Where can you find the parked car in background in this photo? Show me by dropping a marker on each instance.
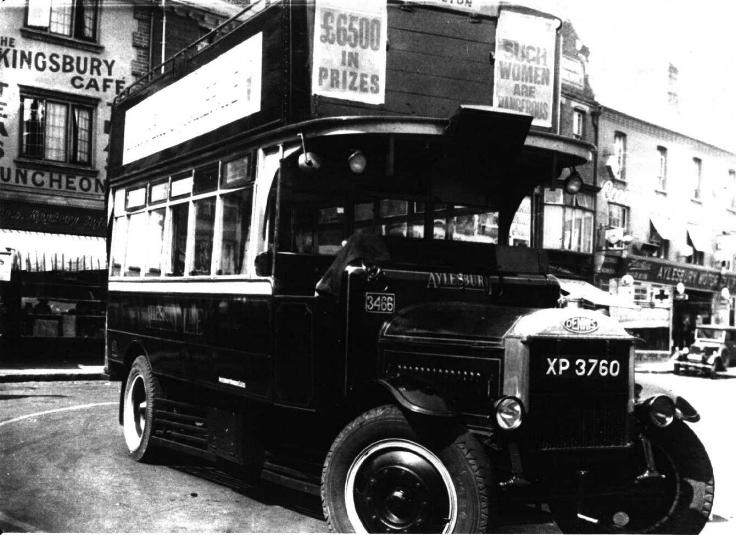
(713, 351)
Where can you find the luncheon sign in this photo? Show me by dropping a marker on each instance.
(350, 50)
(524, 70)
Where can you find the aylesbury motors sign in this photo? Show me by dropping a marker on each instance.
(524, 67)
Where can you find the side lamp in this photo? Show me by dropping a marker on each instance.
(308, 161)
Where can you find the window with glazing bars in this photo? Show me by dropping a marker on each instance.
(56, 131)
(71, 18)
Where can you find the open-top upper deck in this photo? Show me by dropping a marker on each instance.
(287, 67)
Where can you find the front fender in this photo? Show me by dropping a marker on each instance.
(683, 409)
(417, 397)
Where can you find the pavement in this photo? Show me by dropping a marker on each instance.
(48, 369)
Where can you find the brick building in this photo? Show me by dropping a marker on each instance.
(666, 216)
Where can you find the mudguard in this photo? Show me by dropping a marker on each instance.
(417, 398)
(683, 409)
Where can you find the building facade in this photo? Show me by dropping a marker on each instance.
(566, 229)
(666, 228)
(62, 63)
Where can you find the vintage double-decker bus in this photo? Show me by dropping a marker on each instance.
(311, 278)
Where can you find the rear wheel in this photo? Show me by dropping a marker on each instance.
(676, 369)
(382, 475)
(679, 502)
(142, 391)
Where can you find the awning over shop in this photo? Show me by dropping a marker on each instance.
(42, 251)
(644, 324)
(663, 226)
(700, 239)
(581, 290)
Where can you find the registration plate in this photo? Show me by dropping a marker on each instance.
(380, 302)
(582, 367)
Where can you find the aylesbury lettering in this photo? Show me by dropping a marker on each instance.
(469, 281)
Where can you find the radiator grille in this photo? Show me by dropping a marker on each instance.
(570, 411)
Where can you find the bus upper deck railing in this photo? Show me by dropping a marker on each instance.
(169, 66)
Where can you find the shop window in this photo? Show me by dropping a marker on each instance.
(56, 131)
(662, 169)
(697, 178)
(619, 151)
(76, 19)
(618, 216)
(568, 221)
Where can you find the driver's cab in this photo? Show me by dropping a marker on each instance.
(414, 186)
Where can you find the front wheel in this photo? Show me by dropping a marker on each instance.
(383, 475)
(142, 391)
(678, 502)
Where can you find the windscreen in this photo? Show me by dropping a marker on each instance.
(406, 188)
(711, 334)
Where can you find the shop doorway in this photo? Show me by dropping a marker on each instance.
(687, 313)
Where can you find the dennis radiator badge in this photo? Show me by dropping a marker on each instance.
(580, 325)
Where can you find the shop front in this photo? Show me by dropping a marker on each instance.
(52, 282)
(672, 298)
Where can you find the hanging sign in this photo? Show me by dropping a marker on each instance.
(349, 52)
(524, 68)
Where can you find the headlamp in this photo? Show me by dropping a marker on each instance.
(509, 413)
(661, 411)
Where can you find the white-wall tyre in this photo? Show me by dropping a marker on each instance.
(142, 390)
(382, 475)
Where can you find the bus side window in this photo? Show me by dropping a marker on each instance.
(236, 212)
(179, 223)
(134, 253)
(117, 248)
(204, 227)
(155, 241)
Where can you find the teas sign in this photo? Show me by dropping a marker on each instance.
(349, 58)
(524, 69)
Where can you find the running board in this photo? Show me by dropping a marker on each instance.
(280, 475)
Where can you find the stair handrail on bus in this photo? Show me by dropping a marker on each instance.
(159, 71)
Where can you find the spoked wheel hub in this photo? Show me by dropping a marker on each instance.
(398, 486)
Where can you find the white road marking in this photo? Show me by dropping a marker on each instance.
(52, 411)
(18, 525)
